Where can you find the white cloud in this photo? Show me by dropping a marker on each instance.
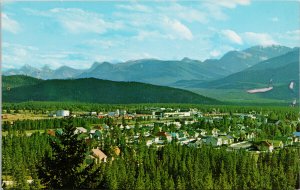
(294, 33)
(16, 55)
(34, 12)
(289, 38)
(216, 12)
(103, 44)
(231, 3)
(136, 56)
(184, 13)
(136, 20)
(9, 24)
(274, 19)
(143, 34)
(193, 15)
(232, 36)
(216, 8)
(161, 23)
(215, 53)
(263, 39)
(135, 7)
(219, 50)
(76, 20)
(175, 29)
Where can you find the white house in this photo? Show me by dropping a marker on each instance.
(80, 130)
(129, 127)
(98, 155)
(184, 114)
(203, 132)
(215, 132)
(111, 114)
(93, 113)
(214, 141)
(296, 136)
(62, 113)
(189, 122)
(149, 142)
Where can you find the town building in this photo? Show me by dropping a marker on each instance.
(62, 113)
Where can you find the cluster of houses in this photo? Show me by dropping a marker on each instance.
(241, 138)
(197, 138)
(96, 154)
(153, 114)
(216, 138)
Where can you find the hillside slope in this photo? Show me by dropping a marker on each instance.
(236, 61)
(101, 91)
(281, 70)
(9, 82)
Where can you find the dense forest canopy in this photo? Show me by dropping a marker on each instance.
(172, 166)
(95, 91)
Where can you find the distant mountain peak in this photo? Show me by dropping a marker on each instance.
(95, 64)
(186, 59)
(141, 60)
(46, 66)
(106, 63)
(267, 47)
(64, 67)
(27, 66)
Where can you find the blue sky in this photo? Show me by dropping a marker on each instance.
(77, 34)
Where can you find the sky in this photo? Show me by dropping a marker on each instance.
(77, 34)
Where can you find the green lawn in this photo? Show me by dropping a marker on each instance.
(28, 132)
(237, 96)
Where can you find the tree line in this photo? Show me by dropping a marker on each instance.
(59, 162)
(43, 124)
(77, 106)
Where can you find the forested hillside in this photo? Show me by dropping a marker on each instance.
(9, 82)
(101, 91)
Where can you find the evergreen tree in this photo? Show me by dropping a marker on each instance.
(65, 169)
(20, 178)
(180, 185)
(139, 184)
(36, 183)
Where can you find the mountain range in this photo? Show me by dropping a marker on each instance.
(161, 72)
(226, 79)
(91, 90)
(278, 72)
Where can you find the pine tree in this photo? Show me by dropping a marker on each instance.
(36, 183)
(139, 184)
(66, 167)
(180, 185)
(20, 178)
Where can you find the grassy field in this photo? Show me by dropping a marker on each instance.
(22, 115)
(28, 132)
(235, 96)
